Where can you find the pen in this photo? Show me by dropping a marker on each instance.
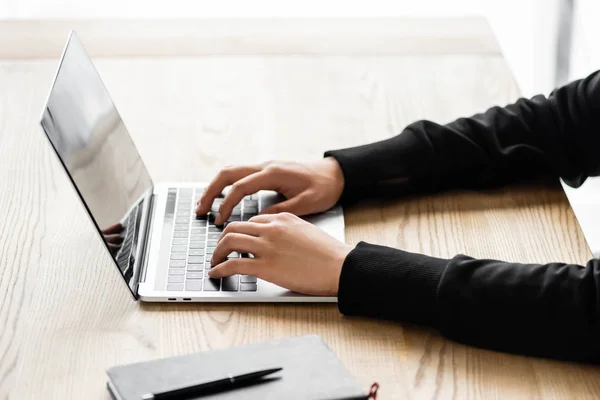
(200, 389)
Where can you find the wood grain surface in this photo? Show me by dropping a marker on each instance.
(66, 316)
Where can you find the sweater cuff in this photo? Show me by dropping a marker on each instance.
(370, 170)
(388, 283)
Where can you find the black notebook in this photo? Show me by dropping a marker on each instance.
(310, 371)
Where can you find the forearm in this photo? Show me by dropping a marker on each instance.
(554, 136)
(550, 310)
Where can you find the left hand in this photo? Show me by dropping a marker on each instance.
(288, 252)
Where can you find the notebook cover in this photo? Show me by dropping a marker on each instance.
(310, 371)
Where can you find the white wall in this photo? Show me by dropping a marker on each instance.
(586, 51)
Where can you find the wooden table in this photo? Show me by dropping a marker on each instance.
(199, 95)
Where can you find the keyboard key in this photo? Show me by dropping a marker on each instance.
(248, 287)
(201, 217)
(234, 218)
(246, 217)
(214, 236)
(214, 229)
(250, 203)
(177, 264)
(182, 220)
(178, 249)
(233, 254)
(180, 234)
(180, 241)
(198, 224)
(196, 245)
(178, 257)
(198, 231)
(186, 191)
(247, 279)
(196, 252)
(197, 238)
(194, 275)
(254, 196)
(175, 287)
(182, 227)
(195, 260)
(195, 267)
(193, 285)
(212, 285)
(250, 210)
(176, 271)
(212, 243)
(231, 283)
(176, 279)
(210, 250)
(236, 211)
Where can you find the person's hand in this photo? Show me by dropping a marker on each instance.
(287, 250)
(309, 188)
(113, 238)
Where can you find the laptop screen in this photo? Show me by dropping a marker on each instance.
(98, 154)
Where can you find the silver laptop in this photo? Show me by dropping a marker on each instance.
(160, 247)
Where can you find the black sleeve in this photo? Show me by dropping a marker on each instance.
(550, 310)
(554, 136)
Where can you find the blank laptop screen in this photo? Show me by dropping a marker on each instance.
(98, 154)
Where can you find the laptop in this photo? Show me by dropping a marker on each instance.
(584, 202)
(159, 246)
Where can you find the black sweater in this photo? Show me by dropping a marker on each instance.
(550, 310)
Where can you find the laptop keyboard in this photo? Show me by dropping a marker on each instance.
(193, 242)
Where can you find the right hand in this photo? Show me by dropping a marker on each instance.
(308, 188)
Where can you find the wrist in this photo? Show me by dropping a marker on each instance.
(336, 175)
(338, 263)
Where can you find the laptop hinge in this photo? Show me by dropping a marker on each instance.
(145, 243)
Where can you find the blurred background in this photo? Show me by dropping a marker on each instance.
(546, 42)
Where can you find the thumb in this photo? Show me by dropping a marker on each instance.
(298, 205)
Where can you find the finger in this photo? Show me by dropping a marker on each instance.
(223, 179)
(116, 228)
(115, 238)
(113, 247)
(247, 228)
(262, 219)
(242, 188)
(244, 266)
(235, 242)
(297, 205)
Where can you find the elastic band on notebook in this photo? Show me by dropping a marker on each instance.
(373, 391)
